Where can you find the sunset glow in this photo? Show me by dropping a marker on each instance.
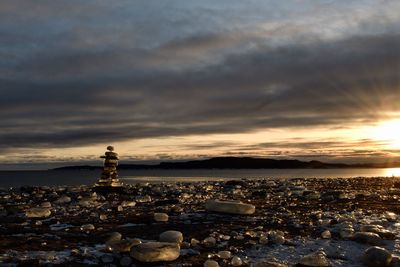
(388, 131)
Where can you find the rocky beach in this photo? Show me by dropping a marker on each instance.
(265, 222)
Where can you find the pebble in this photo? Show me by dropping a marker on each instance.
(230, 207)
(210, 263)
(326, 234)
(87, 227)
(224, 254)
(155, 251)
(317, 259)
(161, 217)
(377, 257)
(209, 242)
(236, 261)
(171, 236)
(63, 200)
(38, 213)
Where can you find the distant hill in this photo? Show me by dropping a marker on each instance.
(239, 163)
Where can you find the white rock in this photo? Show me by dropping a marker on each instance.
(230, 207)
(171, 236)
(317, 259)
(225, 254)
(210, 263)
(161, 217)
(236, 261)
(155, 251)
(38, 213)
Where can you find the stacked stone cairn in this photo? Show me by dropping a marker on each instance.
(109, 177)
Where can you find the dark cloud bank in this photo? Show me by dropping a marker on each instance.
(58, 89)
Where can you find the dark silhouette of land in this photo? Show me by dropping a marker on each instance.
(239, 163)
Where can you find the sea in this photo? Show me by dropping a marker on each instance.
(88, 177)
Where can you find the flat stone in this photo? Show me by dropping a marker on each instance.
(317, 259)
(368, 238)
(121, 246)
(171, 236)
(155, 251)
(38, 212)
(230, 207)
(377, 257)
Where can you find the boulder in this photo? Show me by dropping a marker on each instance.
(230, 207)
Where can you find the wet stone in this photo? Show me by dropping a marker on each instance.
(211, 263)
(161, 217)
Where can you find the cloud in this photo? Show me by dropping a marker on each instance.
(67, 82)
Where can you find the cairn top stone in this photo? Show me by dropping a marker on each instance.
(110, 148)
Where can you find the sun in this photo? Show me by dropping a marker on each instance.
(388, 131)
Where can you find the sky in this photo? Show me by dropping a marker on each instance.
(175, 80)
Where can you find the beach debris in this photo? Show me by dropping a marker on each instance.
(231, 207)
(377, 257)
(155, 251)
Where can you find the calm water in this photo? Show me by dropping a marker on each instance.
(20, 178)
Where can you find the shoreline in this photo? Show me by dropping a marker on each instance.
(290, 216)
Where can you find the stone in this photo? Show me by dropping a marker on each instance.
(125, 261)
(38, 212)
(224, 254)
(210, 263)
(326, 234)
(377, 257)
(236, 261)
(317, 259)
(346, 232)
(209, 242)
(230, 207)
(45, 205)
(277, 237)
(268, 263)
(155, 252)
(121, 246)
(63, 200)
(368, 238)
(113, 236)
(87, 227)
(171, 236)
(161, 217)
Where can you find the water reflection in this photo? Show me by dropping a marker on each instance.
(392, 172)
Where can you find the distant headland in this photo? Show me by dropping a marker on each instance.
(239, 163)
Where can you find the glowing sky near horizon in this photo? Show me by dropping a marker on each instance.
(186, 79)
